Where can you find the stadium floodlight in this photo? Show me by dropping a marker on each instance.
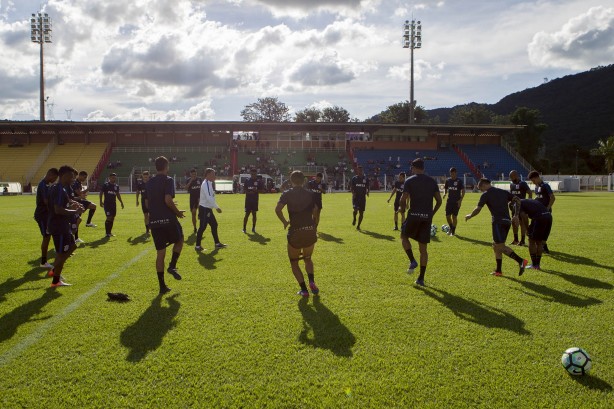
(40, 33)
(412, 39)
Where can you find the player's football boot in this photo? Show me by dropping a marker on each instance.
(420, 283)
(60, 284)
(220, 245)
(514, 243)
(47, 265)
(304, 294)
(314, 288)
(91, 225)
(412, 267)
(497, 273)
(164, 290)
(173, 271)
(522, 266)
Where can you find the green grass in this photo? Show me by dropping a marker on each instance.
(233, 333)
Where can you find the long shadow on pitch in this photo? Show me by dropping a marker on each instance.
(191, 240)
(11, 284)
(99, 242)
(258, 238)
(576, 260)
(328, 237)
(208, 260)
(24, 313)
(142, 239)
(146, 334)
(476, 312)
(581, 281)
(552, 295)
(323, 329)
(474, 241)
(378, 236)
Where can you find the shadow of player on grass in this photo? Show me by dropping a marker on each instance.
(580, 281)
(578, 260)
(476, 312)
(138, 239)
(258, 238)
(378, 236)
(25, 313)
(323, 329)
(146, 334)
(11, 284)
(208, 260)
(328, 237)
(474, 241)
(550, 294)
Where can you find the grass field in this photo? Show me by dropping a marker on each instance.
(233, 333)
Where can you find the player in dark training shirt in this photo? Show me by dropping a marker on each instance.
(317, 187)
(110, 191)
(455, 189)
(302, 235)
(193, 188)
(251, 188)
(539, 230)
(543, 193)
(359, 186)
(497, 201)
(141, 190)
(79, 194)
(163, 214)
(397, 191)
(420, 189)
(519, 189)
(61, 211)
(41, 214)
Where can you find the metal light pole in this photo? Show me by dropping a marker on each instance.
(40, 33)
(412, 39)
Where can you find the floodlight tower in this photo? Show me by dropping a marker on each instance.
(40, 33)
(412, 39)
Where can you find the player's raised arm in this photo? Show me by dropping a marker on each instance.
(474, 213)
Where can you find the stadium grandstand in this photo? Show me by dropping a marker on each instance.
(27, 149)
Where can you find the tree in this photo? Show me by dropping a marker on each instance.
(399, 114)
(528, 139)
(267, 109)
(308, 115)
(605, 148)
(471, 114)
(335, 114)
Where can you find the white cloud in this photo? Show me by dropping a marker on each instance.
(583, 42)
(199, 112)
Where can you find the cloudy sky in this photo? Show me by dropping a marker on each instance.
(207, 59)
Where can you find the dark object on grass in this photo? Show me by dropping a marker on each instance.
(118, 297)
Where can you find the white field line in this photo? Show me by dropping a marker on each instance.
(40, 332)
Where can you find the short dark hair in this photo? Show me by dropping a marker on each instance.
(192, 170)
(483, 181)
(319, 175)
(161, 163)
(83, 173)
(417, 163)
(402, 174)
(253, 171)
(209, 170)
(65, 169)
(113, 174)
(533, 174)
(452, 169)
(53, 171)
(297, 177)
(145, 173)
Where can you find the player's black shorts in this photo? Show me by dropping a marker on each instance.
(84, 203)
(417, 228)
(500, 229)
(359, 202)
(194, 202)
(110, 210)
(452, 208)
(163, 236)
(251, 205)
(42, 225)
(303, 237)
(63, 242)
(539, 229)
(397, 203)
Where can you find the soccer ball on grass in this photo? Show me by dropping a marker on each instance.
(576, 361)
(433, 230)
(445, 228)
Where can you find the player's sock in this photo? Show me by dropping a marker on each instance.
(56, 279)
(303, 286)
(422, 272)
(174, 258)
(44, 260)
(499, 262)
(523, 238)
(533, 259)
(111, 225)
(161, 279)
(107, 226)
(76, 234)
(90, 215)
(453, 228)
(396, 226)
(538, 260)
(146, 228)
(516, 257)
(515, 236)
(311, 277)
(410, 255)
